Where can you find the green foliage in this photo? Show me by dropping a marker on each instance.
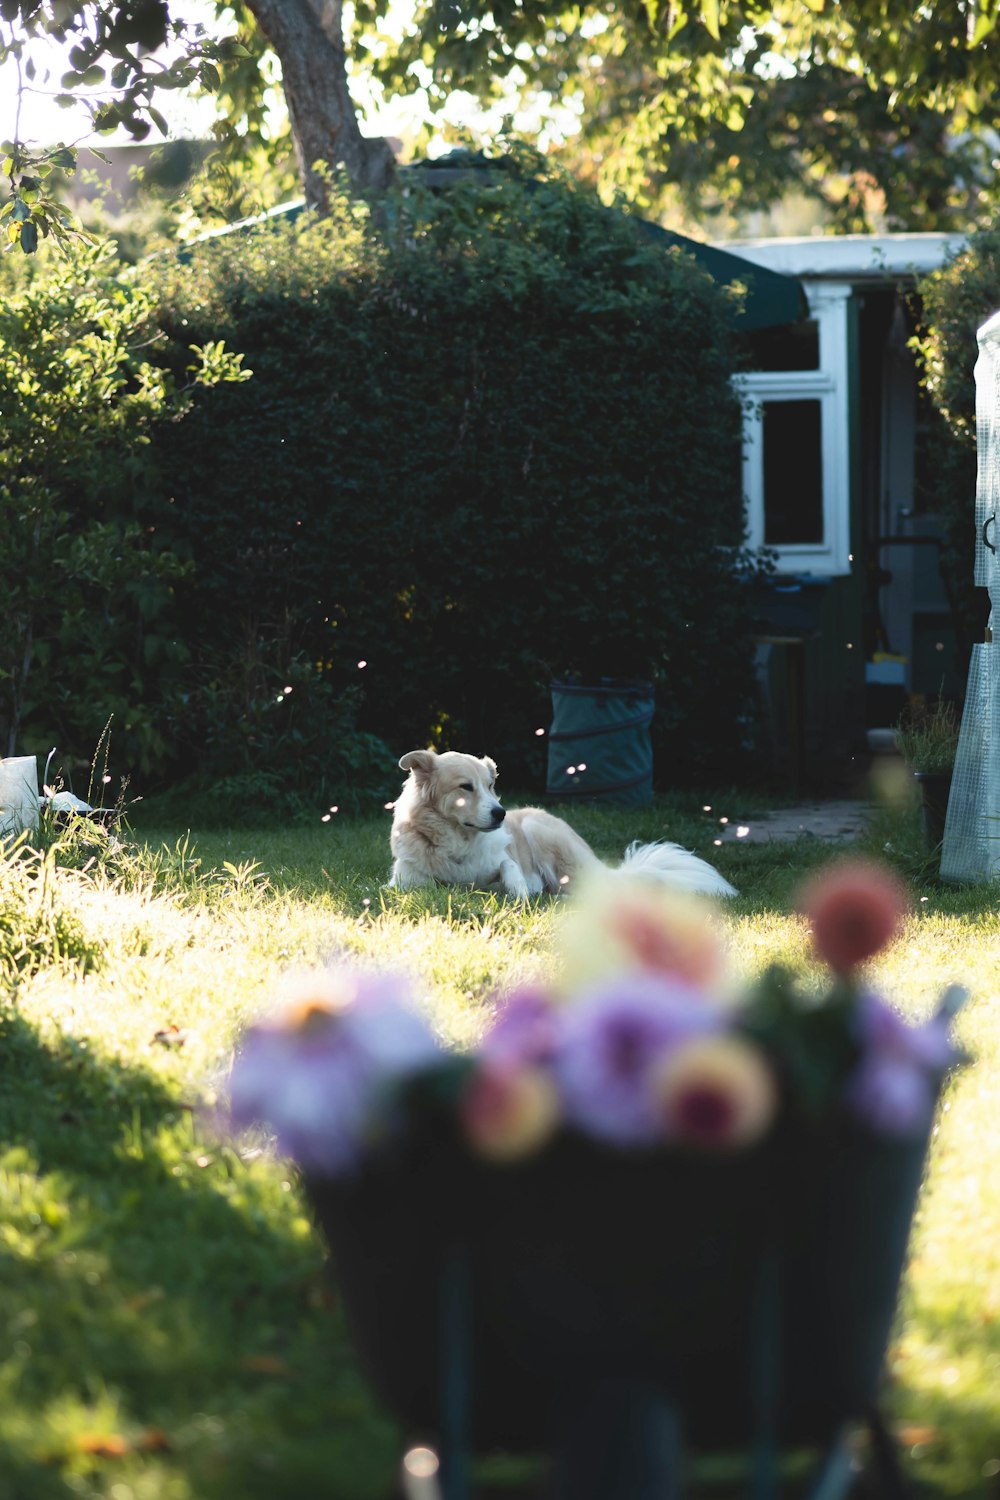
(275, 741)
(38, 926)
(491, 442)
(955, 301)
(927, 736)
(880, 111)
(87, 629)
(113, 68)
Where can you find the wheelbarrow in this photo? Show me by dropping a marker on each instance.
(619, 1311)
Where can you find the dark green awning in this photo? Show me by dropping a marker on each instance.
(771, 299)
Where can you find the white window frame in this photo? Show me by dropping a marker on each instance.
(828, 385)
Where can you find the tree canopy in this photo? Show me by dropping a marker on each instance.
(117, 57)
(885, 113)
(878, 108)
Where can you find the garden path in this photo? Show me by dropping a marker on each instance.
(840, 821)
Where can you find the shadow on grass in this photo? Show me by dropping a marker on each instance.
(167, 1309)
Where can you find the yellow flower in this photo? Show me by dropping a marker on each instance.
(715, 1091)
(622, 926)
(509, 1111)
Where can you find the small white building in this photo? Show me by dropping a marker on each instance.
(830, 474)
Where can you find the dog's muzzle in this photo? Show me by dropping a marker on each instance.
(497, 816)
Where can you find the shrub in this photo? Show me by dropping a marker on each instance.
(86, 629)
(956, 301)
(489, 441)
(277, 742)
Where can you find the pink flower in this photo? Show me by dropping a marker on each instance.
(855, 908)
(667, 938)
(715, 1091)
(508, 1111)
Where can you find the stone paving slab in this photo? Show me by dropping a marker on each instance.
(839, 821)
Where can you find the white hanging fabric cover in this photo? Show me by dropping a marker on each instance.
(18, 794)
(971, 848)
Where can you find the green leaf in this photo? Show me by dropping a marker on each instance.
(985, 25)
(149, 23)
(21, 212)
(29, 238)
(710, 15)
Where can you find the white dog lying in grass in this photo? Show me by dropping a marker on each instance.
(448, 825)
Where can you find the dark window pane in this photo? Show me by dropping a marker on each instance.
(793, 347)
(793, 473)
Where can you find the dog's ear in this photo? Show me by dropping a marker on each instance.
(420, 762)
(490, 765)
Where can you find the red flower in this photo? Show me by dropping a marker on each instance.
(855, 908)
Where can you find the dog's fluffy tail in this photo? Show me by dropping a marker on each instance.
(675, 867)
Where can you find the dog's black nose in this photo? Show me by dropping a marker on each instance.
(498, 815)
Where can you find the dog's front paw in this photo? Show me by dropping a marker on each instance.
(517, 886)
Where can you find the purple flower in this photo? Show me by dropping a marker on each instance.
(891, 1095)
(525, 1030)
(316, 1072)
(894, 1087)
(613, 1039)
(885, 1031)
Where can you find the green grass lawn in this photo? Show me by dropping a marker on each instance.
(171, 1333)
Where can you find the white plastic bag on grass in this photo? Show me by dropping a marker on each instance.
(18, 794)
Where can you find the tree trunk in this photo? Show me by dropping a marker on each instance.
(307, 36)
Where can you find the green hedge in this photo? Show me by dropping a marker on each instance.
(955, 302)
(489, 441)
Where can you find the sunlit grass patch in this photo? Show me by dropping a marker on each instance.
(173, 1332)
